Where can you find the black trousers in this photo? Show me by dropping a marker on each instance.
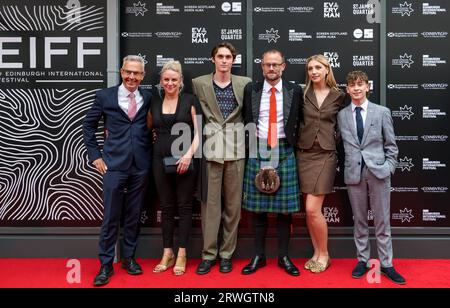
(260, 224)
(175, 192)
(123, 193)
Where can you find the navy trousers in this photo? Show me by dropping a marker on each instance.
(123, 193)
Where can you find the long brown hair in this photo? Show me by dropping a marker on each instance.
(329, 79)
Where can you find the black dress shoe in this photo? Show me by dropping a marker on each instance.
(359, 270)
(225, 266)
(205, 266)
(255, 263)
(289, 267)
(102, 277)
(132, 267)
(392, 274)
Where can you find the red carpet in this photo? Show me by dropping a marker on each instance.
(51, 273)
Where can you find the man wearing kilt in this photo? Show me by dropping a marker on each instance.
(275, 108)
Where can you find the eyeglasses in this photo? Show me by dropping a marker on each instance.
(274, 65)
(129, 73)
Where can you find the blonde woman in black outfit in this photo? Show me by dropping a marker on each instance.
(175, 188)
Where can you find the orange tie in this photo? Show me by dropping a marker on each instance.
(272, 135)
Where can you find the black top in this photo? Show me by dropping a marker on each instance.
(163, 123)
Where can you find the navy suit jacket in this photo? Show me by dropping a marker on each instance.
(125, 140)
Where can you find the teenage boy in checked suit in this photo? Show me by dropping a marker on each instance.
(371, 153)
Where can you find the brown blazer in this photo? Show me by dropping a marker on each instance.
(218, 129)
(320, 122)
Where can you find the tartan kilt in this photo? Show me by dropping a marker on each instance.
(286, 198)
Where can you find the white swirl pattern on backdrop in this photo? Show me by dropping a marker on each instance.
(71, 17)
(45, 172)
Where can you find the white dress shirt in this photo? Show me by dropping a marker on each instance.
(363, 111)
(124, 100)
(263, 120)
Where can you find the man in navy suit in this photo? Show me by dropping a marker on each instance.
(124, 163)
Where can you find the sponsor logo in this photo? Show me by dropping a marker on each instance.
(331, 10)
(333, 58)
(403, 34)
(232, 8)
(404, 60)
(197, 60)
(404, 215)
(367, 60)
(162, 9)
(405, 112)
(161, 60)
(405, 163)
(137, 34)
(330, 35)
(428, 9)
(370, 215)
(297, 61)
(435, 34)
(403, 86)
(363, 8)
(144, 217)
(404, 9)
(428, 61)
(434, 86)
(260, 9)
(404, 189)
(406, 138)
(143, 57)
(168, 35)
(428, 164)
(231, 34)
(238, 61)
(363, 35)
(300, 9)
(138, 9)
(331, 214)
(434, 138)
(198, 8)
(270, 35)
(435, 189)
(432, 216)
(199, 35)
(298, 36)
(428, 113)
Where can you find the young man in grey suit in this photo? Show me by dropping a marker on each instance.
(371, 153)
(220, 95)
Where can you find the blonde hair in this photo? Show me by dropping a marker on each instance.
(175, 66)
(329, 78)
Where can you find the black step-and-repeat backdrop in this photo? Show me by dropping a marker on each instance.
(50, 67)
(418, 75)
(52, 60)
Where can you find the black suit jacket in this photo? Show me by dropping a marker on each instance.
(126, 140)
(292, 107)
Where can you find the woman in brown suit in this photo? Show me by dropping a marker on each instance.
(316, 153)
